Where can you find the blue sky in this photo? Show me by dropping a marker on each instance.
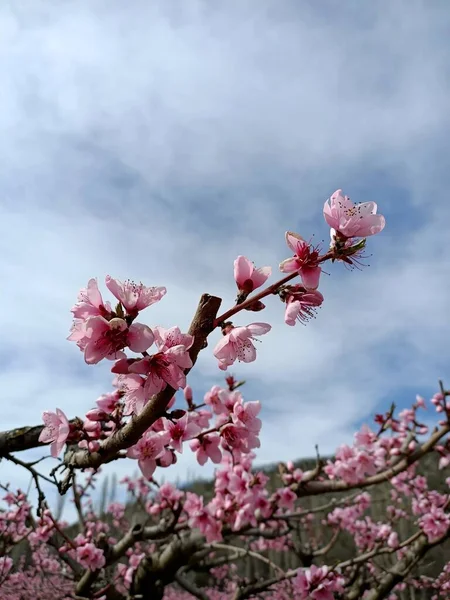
(159, 140)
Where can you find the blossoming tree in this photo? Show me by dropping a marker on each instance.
(179, 544)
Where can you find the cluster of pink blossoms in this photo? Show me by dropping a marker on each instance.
(318, 583)
(243, 505)
(349, 223)
(236, 425)
(236, 429)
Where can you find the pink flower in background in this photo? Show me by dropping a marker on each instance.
(246, 414)
(56, 430)
(134, 297)
(90, 557)
(201, 518)
(285, 498)
(212, 399)
(147, 450)
(90, 302)
(247, 276)
(444, 462)
(6, 564)
(317, 583)
(237, 344)
(207, 446)
(434, 523)
(201, 417)
(239, 438)
(301, 305)
(304, 261)
(180, 431)
(352, 220)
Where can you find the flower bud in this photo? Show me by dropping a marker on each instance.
(96, 414)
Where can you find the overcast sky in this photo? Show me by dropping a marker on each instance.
(157, 140)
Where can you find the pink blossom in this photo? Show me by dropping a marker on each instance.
(207, 446)
(352, 220)
(96, 414)
(301, 304)
(163, 368)
(90, 445)
(140, 337)
(78, 333)
(133, 564)
(170, 338)
(365, 436)
(420, 401)
(168, 365)
(201, 518)
(180, 431)
(6, 564)
(188, 396)
(167, 458)
(229, 399)
(238, 438)
(108, 402)
(90, 557)
(147, 450)
(444, 461)
(133, 388)
(90, 303)
(434, 523)
(134, 297)
(56, 430)
(93, 427)
(201, 417)
(392, 540)
(317, 583)
(304, 261)
(246, 414)
(247, 276)
(212, 399)
(105, 339)
(285, 498)
(237, 344)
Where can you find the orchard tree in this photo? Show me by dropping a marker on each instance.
(172, 543)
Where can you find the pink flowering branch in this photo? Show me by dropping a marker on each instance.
(201, 326)
(314, 488)
(271, 289)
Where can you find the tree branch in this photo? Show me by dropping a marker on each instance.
(314, 488)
